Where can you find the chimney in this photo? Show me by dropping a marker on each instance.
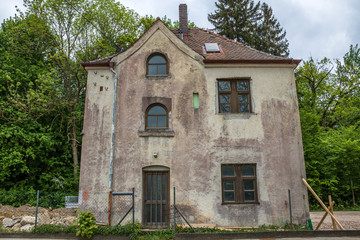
(183, 19)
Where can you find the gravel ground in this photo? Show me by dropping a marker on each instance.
(350, 220)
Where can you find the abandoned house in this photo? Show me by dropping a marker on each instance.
(190, 109)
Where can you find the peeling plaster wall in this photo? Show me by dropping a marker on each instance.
(95, 153)
(203, 140)
(270, 137)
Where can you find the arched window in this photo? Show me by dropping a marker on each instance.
(157, 65)
(156, 116)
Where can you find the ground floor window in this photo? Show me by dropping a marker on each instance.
(239, 183)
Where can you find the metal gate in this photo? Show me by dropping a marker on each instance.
(156, 210)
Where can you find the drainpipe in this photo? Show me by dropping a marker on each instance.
(112, 131)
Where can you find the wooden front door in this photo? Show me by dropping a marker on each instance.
(156, 210)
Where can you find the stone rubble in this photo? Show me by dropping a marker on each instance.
(23, 218)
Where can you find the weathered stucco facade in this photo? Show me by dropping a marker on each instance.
(197, 141)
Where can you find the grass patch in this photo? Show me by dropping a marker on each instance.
(118, 230)
(163, 234)
(50, 228)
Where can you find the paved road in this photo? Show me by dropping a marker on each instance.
(315, 238)
(303, 238)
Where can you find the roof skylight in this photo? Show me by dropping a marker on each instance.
(212, 47)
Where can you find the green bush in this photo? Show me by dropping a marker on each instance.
(17, 198)
(86, 224)
(46, 199)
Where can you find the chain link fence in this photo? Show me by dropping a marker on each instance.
(123, 207)
(24, 210)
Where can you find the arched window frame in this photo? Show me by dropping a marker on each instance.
(166, 64)
(147, 115)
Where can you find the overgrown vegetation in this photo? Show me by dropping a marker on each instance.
(51, 228)
(85, 224)
(168, 233)
(46, 199)
(329, 101)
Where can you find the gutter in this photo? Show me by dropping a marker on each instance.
(268, 61)
(112, 128)
(97, 64)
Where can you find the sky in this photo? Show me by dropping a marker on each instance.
(314, 28)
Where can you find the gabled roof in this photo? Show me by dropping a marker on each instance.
(230, 50)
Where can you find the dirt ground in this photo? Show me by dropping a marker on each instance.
(350, 220)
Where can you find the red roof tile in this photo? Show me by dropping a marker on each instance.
(230, 50)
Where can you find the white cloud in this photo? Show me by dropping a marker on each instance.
(7, 8)
(322, 28)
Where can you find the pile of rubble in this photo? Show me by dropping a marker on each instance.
(23, 218)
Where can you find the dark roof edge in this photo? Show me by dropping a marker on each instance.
(98, 64)
(264, 61)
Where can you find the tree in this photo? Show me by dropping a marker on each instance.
(32, 153)
(271, 36)
(42, 85)
(328, 95)
(251, 24)
(148, 20)
(83, 30)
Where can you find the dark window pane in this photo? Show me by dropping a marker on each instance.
(224, 86)
(161, 121)
(153, 184)
(229, 197)
(151, 121)
(158, 110)
(152, 69)
(228, 171)
(163, 184)
(228, 185)
(157, 59)
(248, 170)
(163, 213)
(158, 215)
(161, 69)
(242, 85)
(148, 187)
(249, 196)
(148, 213)
(225, 107)
(158, 187)
(249, 185)
(244, 108)
(153, 211)
(224, 98)
(243, 98)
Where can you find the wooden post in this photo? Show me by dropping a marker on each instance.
(322, 220)
(322, 204)
(332, 211)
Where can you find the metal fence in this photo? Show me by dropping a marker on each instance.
(123, 207)
(24, 210)
(27, 210)
(178, 217)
